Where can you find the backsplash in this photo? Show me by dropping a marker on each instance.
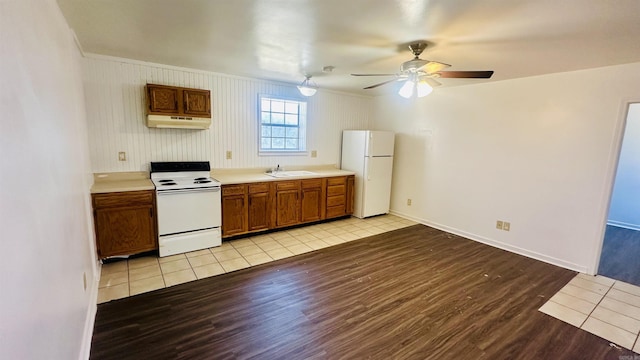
(114, 90)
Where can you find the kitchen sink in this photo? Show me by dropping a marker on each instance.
(288, 174)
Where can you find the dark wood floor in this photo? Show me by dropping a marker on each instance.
(620, 254)
(414, 293)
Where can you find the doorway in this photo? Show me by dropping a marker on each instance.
(621, 244)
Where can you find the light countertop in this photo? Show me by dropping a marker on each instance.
(121, 181)
(140, 180)
(241, 176)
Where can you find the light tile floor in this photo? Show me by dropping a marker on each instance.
(125, 278)
(602, 306)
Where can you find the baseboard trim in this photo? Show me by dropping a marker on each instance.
(514, 249)
(623, 225)
(90, 320)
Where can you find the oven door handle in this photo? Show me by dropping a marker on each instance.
(183, 191)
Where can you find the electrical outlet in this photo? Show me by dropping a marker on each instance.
(314, 153)
(408, 202)
(506, 226)
(229, 155)
(122, 156)
(499, 225)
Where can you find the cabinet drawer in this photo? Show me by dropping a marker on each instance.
(311, 183)
(258, 188)
(334, 211)
(336, 181)
(335, 200)
(233, 190)
(286, 185)
(128, 198)
(335, 190)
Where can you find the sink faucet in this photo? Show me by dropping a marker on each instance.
(278, 168)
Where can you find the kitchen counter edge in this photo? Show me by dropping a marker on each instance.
(231, 178)
(139, 181)
(121, 182)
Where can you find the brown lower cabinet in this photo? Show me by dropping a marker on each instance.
(234, 204)
(312, 204)
(124, 223)
(259, 216)
(255, 207)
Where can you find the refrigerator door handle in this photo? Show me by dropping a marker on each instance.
(367, 168)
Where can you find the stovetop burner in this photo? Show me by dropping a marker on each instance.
(170, 176)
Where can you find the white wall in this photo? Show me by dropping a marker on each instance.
(116, 113)
(45, 224)
(625, 200)
(538, 152)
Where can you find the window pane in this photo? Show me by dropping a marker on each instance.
(277, 118)
(277, 143)
(292, 143)
(291, 108)
(282, 124)
(277, 106)
(265, 105)
(277, 131)
(292, 132)
(291, 119)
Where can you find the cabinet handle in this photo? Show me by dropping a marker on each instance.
(150, 212)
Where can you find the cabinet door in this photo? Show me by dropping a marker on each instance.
(312, 202)
(163, 99)
(125, 230)
(350, 194)
(234, 218)
(287, 207)
(259, 211)
(197, 102)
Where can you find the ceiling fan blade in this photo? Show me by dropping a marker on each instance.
(432, 82)
(380, 84)
(373, 74)
(434, 66)
(466, 74)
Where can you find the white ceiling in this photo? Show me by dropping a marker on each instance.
(283, 39)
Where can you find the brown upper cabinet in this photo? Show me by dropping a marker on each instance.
(178, 101)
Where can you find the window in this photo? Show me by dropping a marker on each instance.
(282, 125)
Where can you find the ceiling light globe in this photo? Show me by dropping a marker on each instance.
(307, 91)
(423, 89)
(406, 91)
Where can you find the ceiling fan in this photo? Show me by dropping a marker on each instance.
(421, 73)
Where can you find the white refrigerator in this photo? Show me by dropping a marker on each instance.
(369, 154)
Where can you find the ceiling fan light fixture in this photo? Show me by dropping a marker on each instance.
(423, 88)
(406, 91)
(307, 88)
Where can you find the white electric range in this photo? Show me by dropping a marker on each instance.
(188, 204)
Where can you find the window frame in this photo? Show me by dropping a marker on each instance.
(303, 120)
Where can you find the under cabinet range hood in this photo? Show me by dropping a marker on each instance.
(177, 107)
(177, 122)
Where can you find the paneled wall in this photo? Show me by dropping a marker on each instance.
(116, 118)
